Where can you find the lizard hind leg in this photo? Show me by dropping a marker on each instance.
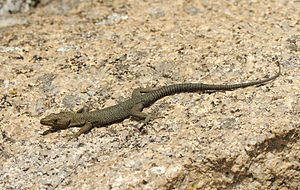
(139, 91)
(137, 113)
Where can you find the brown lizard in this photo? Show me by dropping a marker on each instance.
(140, 99)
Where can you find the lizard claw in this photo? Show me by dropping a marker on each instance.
(148, 118)
(71, 137)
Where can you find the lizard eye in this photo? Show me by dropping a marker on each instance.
(55, 120)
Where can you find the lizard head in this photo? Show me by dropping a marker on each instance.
(57, 120)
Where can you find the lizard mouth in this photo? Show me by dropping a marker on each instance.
(45, 122)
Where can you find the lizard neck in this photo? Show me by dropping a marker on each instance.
(78, 119)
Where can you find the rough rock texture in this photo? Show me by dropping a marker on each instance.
(17, 6)
(67, 54)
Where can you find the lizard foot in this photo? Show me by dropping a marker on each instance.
(149, 118)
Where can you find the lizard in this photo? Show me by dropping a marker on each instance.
(141, 98)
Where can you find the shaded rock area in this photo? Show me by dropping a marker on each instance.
(63, 55)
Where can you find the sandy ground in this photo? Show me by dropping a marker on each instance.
(62, 56)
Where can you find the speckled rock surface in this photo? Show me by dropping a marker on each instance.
(66, 55)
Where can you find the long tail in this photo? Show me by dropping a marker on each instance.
(195, 87)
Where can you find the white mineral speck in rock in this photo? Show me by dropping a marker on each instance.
(158, 170)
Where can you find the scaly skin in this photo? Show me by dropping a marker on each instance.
(132, 107)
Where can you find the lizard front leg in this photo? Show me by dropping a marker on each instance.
(84, 129)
